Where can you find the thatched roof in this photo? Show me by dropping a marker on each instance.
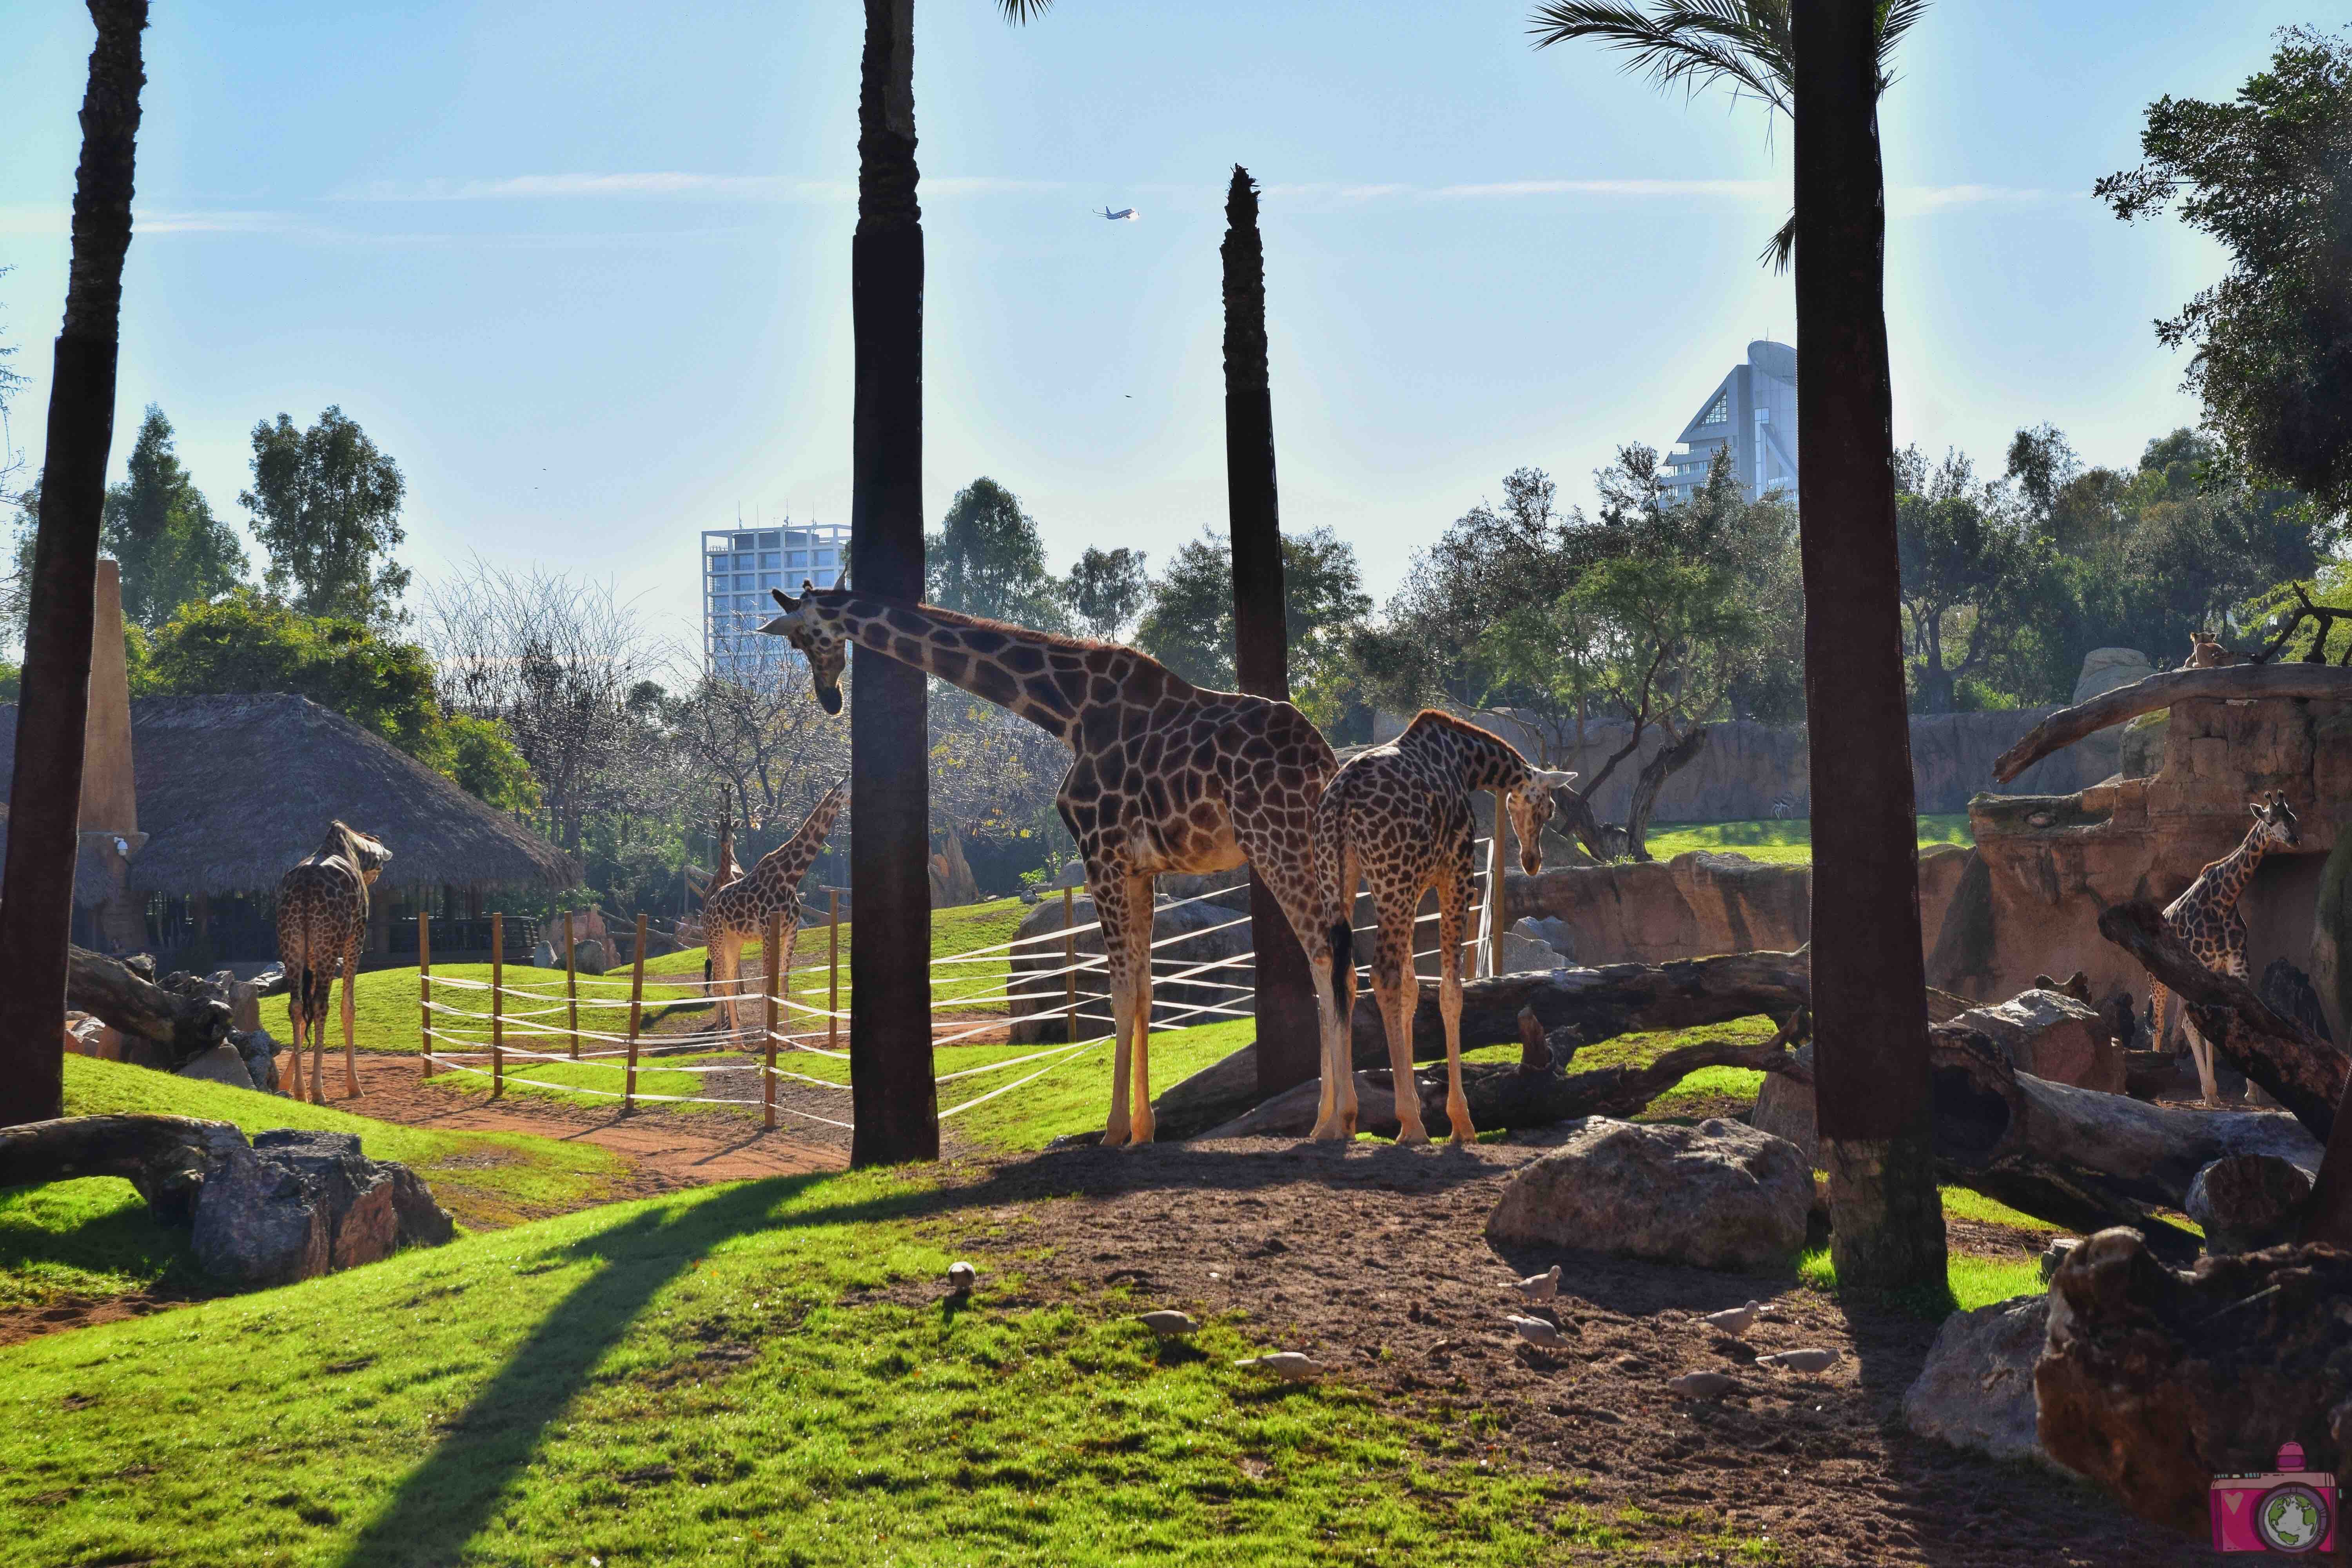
(233, 790)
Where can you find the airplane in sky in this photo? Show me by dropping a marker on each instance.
(1124, 214)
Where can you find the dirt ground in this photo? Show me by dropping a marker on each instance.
(1373, 1260)
(19, 1324)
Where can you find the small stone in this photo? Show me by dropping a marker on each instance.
(1702, 1384)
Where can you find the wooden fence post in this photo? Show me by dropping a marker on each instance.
(636, 1017)
(425, 991)
(497, 1004)
(1070, 963)
(774, 955)
(833, 963)
(572, 985)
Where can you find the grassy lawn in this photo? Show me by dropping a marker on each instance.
(685, 1380)
(954, 932)
(1789, 842)
(93, 1236)
(384, 1012)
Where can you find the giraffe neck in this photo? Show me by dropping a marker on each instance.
(788, 862)
(1052, 681)
(2235, 870)
(1482, 760)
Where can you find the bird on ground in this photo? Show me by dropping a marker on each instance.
(1169, 1325)
(1800, 1361)
(1536, 1331)
(1734, 1319)
(1288, 1365)
(1702, 1384)
(1540, 1286)
(962, 1276)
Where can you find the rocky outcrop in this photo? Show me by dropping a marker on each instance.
(298, 1204)
(2055, 1036)
(221, 1064)
(2245, 1202)
(1717, 1195)
(1976, 1390)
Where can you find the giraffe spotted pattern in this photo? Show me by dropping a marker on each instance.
(323, 921)
(2206, 917)
(740, 910)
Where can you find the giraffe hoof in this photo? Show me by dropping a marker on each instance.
(1413, 1136)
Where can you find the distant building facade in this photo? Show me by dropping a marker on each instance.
(740, 565)
(1753, 412)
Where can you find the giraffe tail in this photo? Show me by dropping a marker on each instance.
(1343, 965)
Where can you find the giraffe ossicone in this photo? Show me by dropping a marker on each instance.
(1166, 777)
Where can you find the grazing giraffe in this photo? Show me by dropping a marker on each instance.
(322, 922)
(2206, 917)
(1168, 778)
(1398, 816)
(741, 908)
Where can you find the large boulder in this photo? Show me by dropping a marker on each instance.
(260, 1053)
(2055, 1036)
(2245, 1202)
(1976, 1390)
(1188, 935)
(1717, 1195)
(1516, 953)
(222, 1063)
(590, 956)
(1784, 1108)
(2104, 669)
(298, 1204)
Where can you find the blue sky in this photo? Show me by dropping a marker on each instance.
(583, 269)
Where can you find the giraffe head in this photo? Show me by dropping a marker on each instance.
(1529, 808)
(367, 856)
(819, 640)
(2277, 820)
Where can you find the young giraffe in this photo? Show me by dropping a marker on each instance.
(1398, 816)
(2206, 917)
(323, 921)
(1168, 778)
(740, 909)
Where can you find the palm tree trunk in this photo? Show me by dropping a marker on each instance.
(45, 793)
(895, 1100)
(1887, 1227)
(1288, 1047)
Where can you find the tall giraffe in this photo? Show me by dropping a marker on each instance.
(1168, 778)
(740, 909)
(322, 922)
(2206, 917)
(1398, 816)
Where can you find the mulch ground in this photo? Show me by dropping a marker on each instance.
(1373, 1260)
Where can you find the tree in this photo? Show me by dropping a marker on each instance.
(1967, 563)
(326, 506)
(1188, 625)
(1886, 1224)
(1106, 589)
(44, 790)
(2041, 464)
(2269, 176)
(987, 560)
(160, 528)
(1693, 44)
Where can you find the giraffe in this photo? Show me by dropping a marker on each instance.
(2206, 917)
(323, 921)
(1398, 816)
(740, 909)
(1167, 777)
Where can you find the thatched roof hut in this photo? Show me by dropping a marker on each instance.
(233, 790)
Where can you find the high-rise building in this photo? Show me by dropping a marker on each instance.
(740, 565)
(1752, 411)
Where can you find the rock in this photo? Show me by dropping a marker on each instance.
(219, 1064)
(2291, 994)
(243, 997)
(2054, 1257)
(2245, 1202)
(2055, 1036)
(1976, 1391)
(1191, 885)
(1517, 954)
(591, 956)
(260, 1053)
(1554, 933)
(89, 1036)
(1784, 1108)
(544, 956)
(2104, 669)
(297, 1203)
(1073, 874)
(1717, 1195)
(1208, 931)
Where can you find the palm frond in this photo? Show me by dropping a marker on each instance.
(1693, 43)
(1781, 249)
(1017, 11)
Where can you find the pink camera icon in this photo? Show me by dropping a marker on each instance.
(2290, 1510)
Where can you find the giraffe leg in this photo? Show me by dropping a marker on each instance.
(722, 947)
(326, 1000)
(1396, 991)
(350, 1049)
(1111, 893)
(1331, 961)
(290, 955)
(2200, 1051)
(1139, 936)
(1453, 913)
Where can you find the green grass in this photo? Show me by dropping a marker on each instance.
(1787, 842)
(91, 1237)
(954, 932)
(384, 1005)
(711, 1378)
(1972, 1279)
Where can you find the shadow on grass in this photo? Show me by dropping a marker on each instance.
(128, 1240)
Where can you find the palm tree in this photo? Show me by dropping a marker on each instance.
(1695, 44)
(1886, 1224)
(890, 1072)
(45, 793)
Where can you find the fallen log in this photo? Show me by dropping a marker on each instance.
(2155, 1381)
(2303, 1072)
(2231, 683)
(163, 1156)
(99, 984)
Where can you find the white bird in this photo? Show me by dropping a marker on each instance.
(1702, 1384)
(1800, 1361)
(1288, 1365)
(1540, 1286)
(1734, 1319)
(962, 1276)
(1169, 1325)
(1124, 214)
(1536, 1331)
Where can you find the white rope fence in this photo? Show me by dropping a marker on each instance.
(456, 1038)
